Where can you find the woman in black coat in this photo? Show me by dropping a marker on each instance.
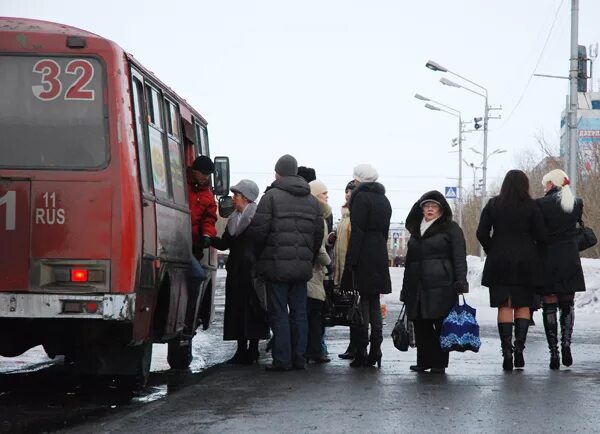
(510, 226)
(367, 263)
(563, 275)
(245, 319)
(435, 273)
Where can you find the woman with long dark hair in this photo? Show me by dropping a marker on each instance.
(509, 229)
(563, 275)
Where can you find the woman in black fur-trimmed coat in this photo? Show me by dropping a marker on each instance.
(435, 273)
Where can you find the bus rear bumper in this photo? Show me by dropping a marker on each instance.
(113, 307)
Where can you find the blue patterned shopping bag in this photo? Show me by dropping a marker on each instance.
(460, 331)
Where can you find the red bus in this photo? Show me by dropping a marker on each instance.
(95, 233)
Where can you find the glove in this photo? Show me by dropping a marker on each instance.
(204, 242)
(331, 238)
(461, 287)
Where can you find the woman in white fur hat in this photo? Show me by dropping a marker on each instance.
(563, 275)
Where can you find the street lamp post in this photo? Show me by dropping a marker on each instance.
(455, 113)
(437, 67)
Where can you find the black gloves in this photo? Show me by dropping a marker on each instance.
(461, 287)
(204, 242)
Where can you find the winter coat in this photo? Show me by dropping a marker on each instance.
(560, 256)
(367, 255)
(315, 286)
(436, 263)
(340, 248)
(245, 317)
(287, 231)
(203, 210)
(512, 252)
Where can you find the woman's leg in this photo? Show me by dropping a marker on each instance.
(376, 322)
(425, 338)
(567, 321)
(522, 322)
(551, 328)
(314, 329)
(360, 357)
(439, 357)
(505, 330)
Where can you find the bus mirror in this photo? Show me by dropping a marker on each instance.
(221, 176)
(225, 206)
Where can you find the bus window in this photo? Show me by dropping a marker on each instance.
(154, 115)
(157, 156)
(202, 139)
(138, 103)
(52, 113)
(172, 116)
(177, 172)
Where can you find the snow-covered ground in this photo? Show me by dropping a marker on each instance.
(587, 302)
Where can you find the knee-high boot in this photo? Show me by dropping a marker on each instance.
(505, 329)
(567, 320)
(551, 328)
(521, 327)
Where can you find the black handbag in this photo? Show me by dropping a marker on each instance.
(403, 334)
(354, 316)
(585, 236)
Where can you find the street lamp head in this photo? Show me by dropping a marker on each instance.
(421, 97)
(432, 107)
(454, 142)
(434, 66)
(450, 83)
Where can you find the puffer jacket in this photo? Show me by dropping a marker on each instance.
(436, 263)
(287, 231)
(203, 210)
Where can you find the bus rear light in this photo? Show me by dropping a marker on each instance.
(91, 307)
(81, 306)
(79, 275)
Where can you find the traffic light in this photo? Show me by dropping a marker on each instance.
(477, 124)
(582, 75)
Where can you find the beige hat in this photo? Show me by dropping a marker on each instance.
(317, 187)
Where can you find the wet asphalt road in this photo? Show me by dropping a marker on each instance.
(475, 395)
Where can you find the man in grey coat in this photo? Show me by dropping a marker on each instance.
(287, 231)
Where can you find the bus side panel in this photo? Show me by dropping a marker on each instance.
(127, 239)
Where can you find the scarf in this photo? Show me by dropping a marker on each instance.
(426, 224)
(239, 221)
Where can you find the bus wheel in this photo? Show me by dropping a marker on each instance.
(179, 355)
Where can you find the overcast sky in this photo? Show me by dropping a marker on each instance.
(332, 82)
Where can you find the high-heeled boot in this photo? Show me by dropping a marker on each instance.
(241, 354)
(505, 329)
(521, 327)
(360, 358)
(551, 329)
(375, 354)
(351, 350)
(567, 320)
(252, 355)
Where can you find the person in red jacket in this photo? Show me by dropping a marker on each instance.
(203, 213)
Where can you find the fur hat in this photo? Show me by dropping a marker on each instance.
(557, 177)
(246, 188)
(308, 173)
(317, 187)
(365, 173)
(203, 164)
(286, 166)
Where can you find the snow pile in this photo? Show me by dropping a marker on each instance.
(478, 296)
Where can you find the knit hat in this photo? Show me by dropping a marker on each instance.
(350, 186)
(286, 166)
(558, 178)
(317, 187)
(365, 173)
(308, 173)
(429, 200)
(203, 164)
(246, 188)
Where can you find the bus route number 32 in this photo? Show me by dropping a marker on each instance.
(51, 84)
